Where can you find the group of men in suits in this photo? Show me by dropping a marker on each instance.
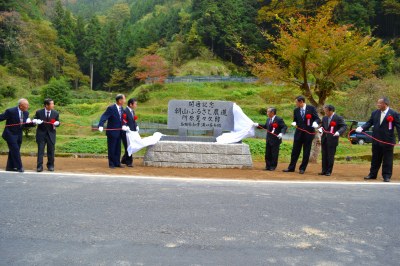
(119, 121)
(305, 118)
(17, 118)
(306, 121)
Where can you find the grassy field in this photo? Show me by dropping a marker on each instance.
(76, 136)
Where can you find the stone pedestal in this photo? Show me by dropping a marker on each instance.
(187, 154)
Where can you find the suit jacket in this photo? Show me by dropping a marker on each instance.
(382, 131)
(302, 123)
(11, 116)
(111, 115)
(280, 129)
(130, 120)
(340, 127)
(44, 128)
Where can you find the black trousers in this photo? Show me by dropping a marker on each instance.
(114, 150)
(271, 155)
(305, 144)
(50, 152)
(328, 157)
(382, 154)
(14, 154)
(126, 159)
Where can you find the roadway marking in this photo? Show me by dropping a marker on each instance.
(204, 180)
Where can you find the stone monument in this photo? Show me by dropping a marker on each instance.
(197, 151)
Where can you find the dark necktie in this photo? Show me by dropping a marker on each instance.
(302, 112)
(47, 116)
(21, 118)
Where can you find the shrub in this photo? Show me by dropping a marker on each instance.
(143, 95)
(59, 90)
(8, 91)
(155, 87)
(262, 111)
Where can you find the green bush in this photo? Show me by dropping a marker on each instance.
(262, 111)
(8, 91)
(155, 87)
(59, 90)
(143, 95)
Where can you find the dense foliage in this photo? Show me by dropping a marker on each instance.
(79, 39)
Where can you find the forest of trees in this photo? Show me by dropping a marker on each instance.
(112, 40)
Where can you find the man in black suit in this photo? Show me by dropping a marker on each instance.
(276, 128)
(332, 127)
(129, 122)
(47, 120)
(384, 120)
(16, 119)
(304, 117)
(113, 116)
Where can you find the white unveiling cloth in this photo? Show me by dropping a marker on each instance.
(136, 143)
(243, 128)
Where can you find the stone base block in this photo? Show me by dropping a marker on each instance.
(185, 154)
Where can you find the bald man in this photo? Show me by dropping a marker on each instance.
(16, 119)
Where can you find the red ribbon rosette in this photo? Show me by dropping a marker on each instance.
(274, 125)
(135, 118)
(52, 121)
(390, 120)
(308, 116)
(124, 118)
(333, 124)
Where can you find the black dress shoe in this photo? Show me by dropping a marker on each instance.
(386, 179)
(301, 172)
(266, 169)
(39, 169)
(328, 174)
(322, 173)
(51, 169)
(288, 170)
(21, 170)
(271, 169)
(129, 165)
(368, 177)
(11, 169)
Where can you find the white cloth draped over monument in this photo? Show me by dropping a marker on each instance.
(136, 143)
(243, 128)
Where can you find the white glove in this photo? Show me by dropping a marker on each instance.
(56, 123)
(34, 121)
(336, 134)
(359, 129)
(125, 128)
(280, 136)
(320, 130)
(137, 128)
(28, 120)
(101, 129)
(38, 121)
(294, 124)
(255, 124)
(314, 125)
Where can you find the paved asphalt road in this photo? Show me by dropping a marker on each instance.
(60, 219)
